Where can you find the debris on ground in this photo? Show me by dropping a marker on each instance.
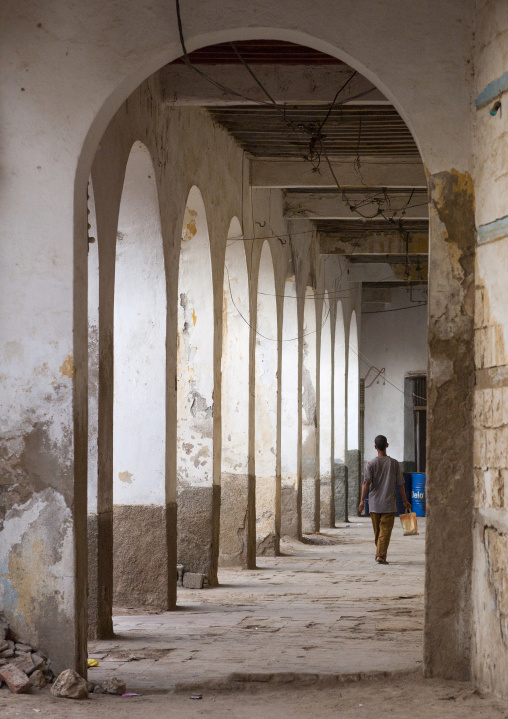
(21, 665)
(70, 685)
(111, 686)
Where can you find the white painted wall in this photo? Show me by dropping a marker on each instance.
(289, 384)
(235, 356)
(93, 354)
(339, 394)
(195, 348)
(396, 341)
(266, 400)
(352, 385)
(266, 368)
(139, 414)
(325, 394)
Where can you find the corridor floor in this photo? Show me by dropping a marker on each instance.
(309, 634)
(322, 610)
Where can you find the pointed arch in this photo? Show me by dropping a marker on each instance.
(267, 529)
(235, 403)
(339, 414)
(139, 411)
(197, 505)
(291, 495)
(326, 499)
(310, 484)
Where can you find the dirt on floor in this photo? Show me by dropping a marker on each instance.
(403, 697)
(321, 631)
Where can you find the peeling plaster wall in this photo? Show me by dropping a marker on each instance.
(490, 640)
(310, 472)
(235, 480)
(93, 410)
(327, 496)
(267, 489)
(340, 413)
(170, 136)
(45, 197)
(291, 500)
(397, 342)
(139, 431)
(353, 416)
(450, 383)
(195, 391)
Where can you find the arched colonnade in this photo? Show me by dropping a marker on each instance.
(207, 361)
(101, 127)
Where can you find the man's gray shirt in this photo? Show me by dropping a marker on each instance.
(382, 474)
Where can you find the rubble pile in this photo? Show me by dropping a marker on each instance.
(21, 665)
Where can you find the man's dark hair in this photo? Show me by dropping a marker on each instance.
(381, 442)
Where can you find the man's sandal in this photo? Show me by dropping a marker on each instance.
(380, 560)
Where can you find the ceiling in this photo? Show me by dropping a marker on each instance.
(349, 130)
(260, 52)
(324, 130)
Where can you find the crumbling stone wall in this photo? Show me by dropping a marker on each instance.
(489, 649)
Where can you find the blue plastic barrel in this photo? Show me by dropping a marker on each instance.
(418, 500)
(398, 497)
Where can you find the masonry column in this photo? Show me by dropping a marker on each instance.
(310, 482)
(326, 477)
(450, 426)
(353, 399)
(266, 386)
(291, 496)
(43, 408)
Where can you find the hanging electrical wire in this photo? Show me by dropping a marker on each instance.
(316, 148)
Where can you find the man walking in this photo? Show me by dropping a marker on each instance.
(381, 476)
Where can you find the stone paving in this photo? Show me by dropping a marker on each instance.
(323, 610)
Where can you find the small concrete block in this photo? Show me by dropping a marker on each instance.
(38, 679)
(23, 662)
(114, 686)
(39, 662)
(16, 680)
(70, 685)
(193, 580)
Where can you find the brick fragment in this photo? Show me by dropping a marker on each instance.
(16, 680)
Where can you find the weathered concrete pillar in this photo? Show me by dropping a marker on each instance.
(326, 475)
(198, 496)
(267, 484)
(291, 495)
(93, 425)
(107, 182)
(353, 398)
(139, 515)
(310, 481)
(43, 408)
(235, 480)
(340, 415)
(449, 543)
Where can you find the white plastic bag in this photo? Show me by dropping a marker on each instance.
(409, 523)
